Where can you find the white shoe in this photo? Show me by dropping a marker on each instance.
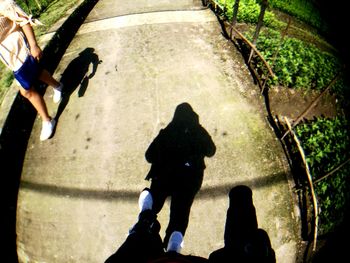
(47, 129)
(145, 200)
(175, 242)
(57, 93)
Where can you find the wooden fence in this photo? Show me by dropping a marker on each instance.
(234, 34)
(262, 78)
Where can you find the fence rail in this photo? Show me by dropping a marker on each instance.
(309, 178)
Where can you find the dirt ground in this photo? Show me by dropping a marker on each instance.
(292, 103)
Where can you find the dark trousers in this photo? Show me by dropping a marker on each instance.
(182, 194)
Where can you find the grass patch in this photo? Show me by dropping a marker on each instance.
(55, 11)
(6, 79)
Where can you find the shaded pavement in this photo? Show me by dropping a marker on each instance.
(126, 70)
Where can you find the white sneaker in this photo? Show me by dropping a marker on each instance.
(145, 200)
(47, 129)
(57, 93)
(175, 242)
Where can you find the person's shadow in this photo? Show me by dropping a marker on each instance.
(177, 157)
(75, 75)
(244, 241)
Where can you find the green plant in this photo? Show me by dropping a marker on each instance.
(326, 143)
(6, 79)
(34, 7)
(249, 11)
(298, 64)
(302, 9)
(6, 76)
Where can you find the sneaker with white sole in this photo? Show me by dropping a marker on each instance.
(175, 242)
(47, 129)
(145, 200)
(57, 93)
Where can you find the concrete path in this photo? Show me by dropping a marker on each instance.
(128, 68)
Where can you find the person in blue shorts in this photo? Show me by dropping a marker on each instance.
(20, 52)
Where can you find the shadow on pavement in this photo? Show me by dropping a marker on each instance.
(75, 76)
(244, 241)
(177, 157)
(17, 129)
(204, 193)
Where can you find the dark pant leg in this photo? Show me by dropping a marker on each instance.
(180, 208)
(159, 191)
(182, 195)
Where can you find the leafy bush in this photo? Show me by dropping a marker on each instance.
(308, 67)
(302, 9)
(249, 11)
(298, 64)
(34, 7)
(326, 143)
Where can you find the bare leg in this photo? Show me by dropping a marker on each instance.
(47, 78)
(37, 101)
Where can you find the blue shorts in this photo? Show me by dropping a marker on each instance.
(28, 73)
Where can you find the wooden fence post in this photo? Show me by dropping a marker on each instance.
(264, 5)
(255, 50)
(234, 16)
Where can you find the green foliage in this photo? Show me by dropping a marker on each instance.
(326, 143)
(34, 7)
(249, 11)
(304, 66)
(298, 64)
(302, 9)
(6, 79)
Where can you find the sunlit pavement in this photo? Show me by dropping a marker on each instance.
(128, 67)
